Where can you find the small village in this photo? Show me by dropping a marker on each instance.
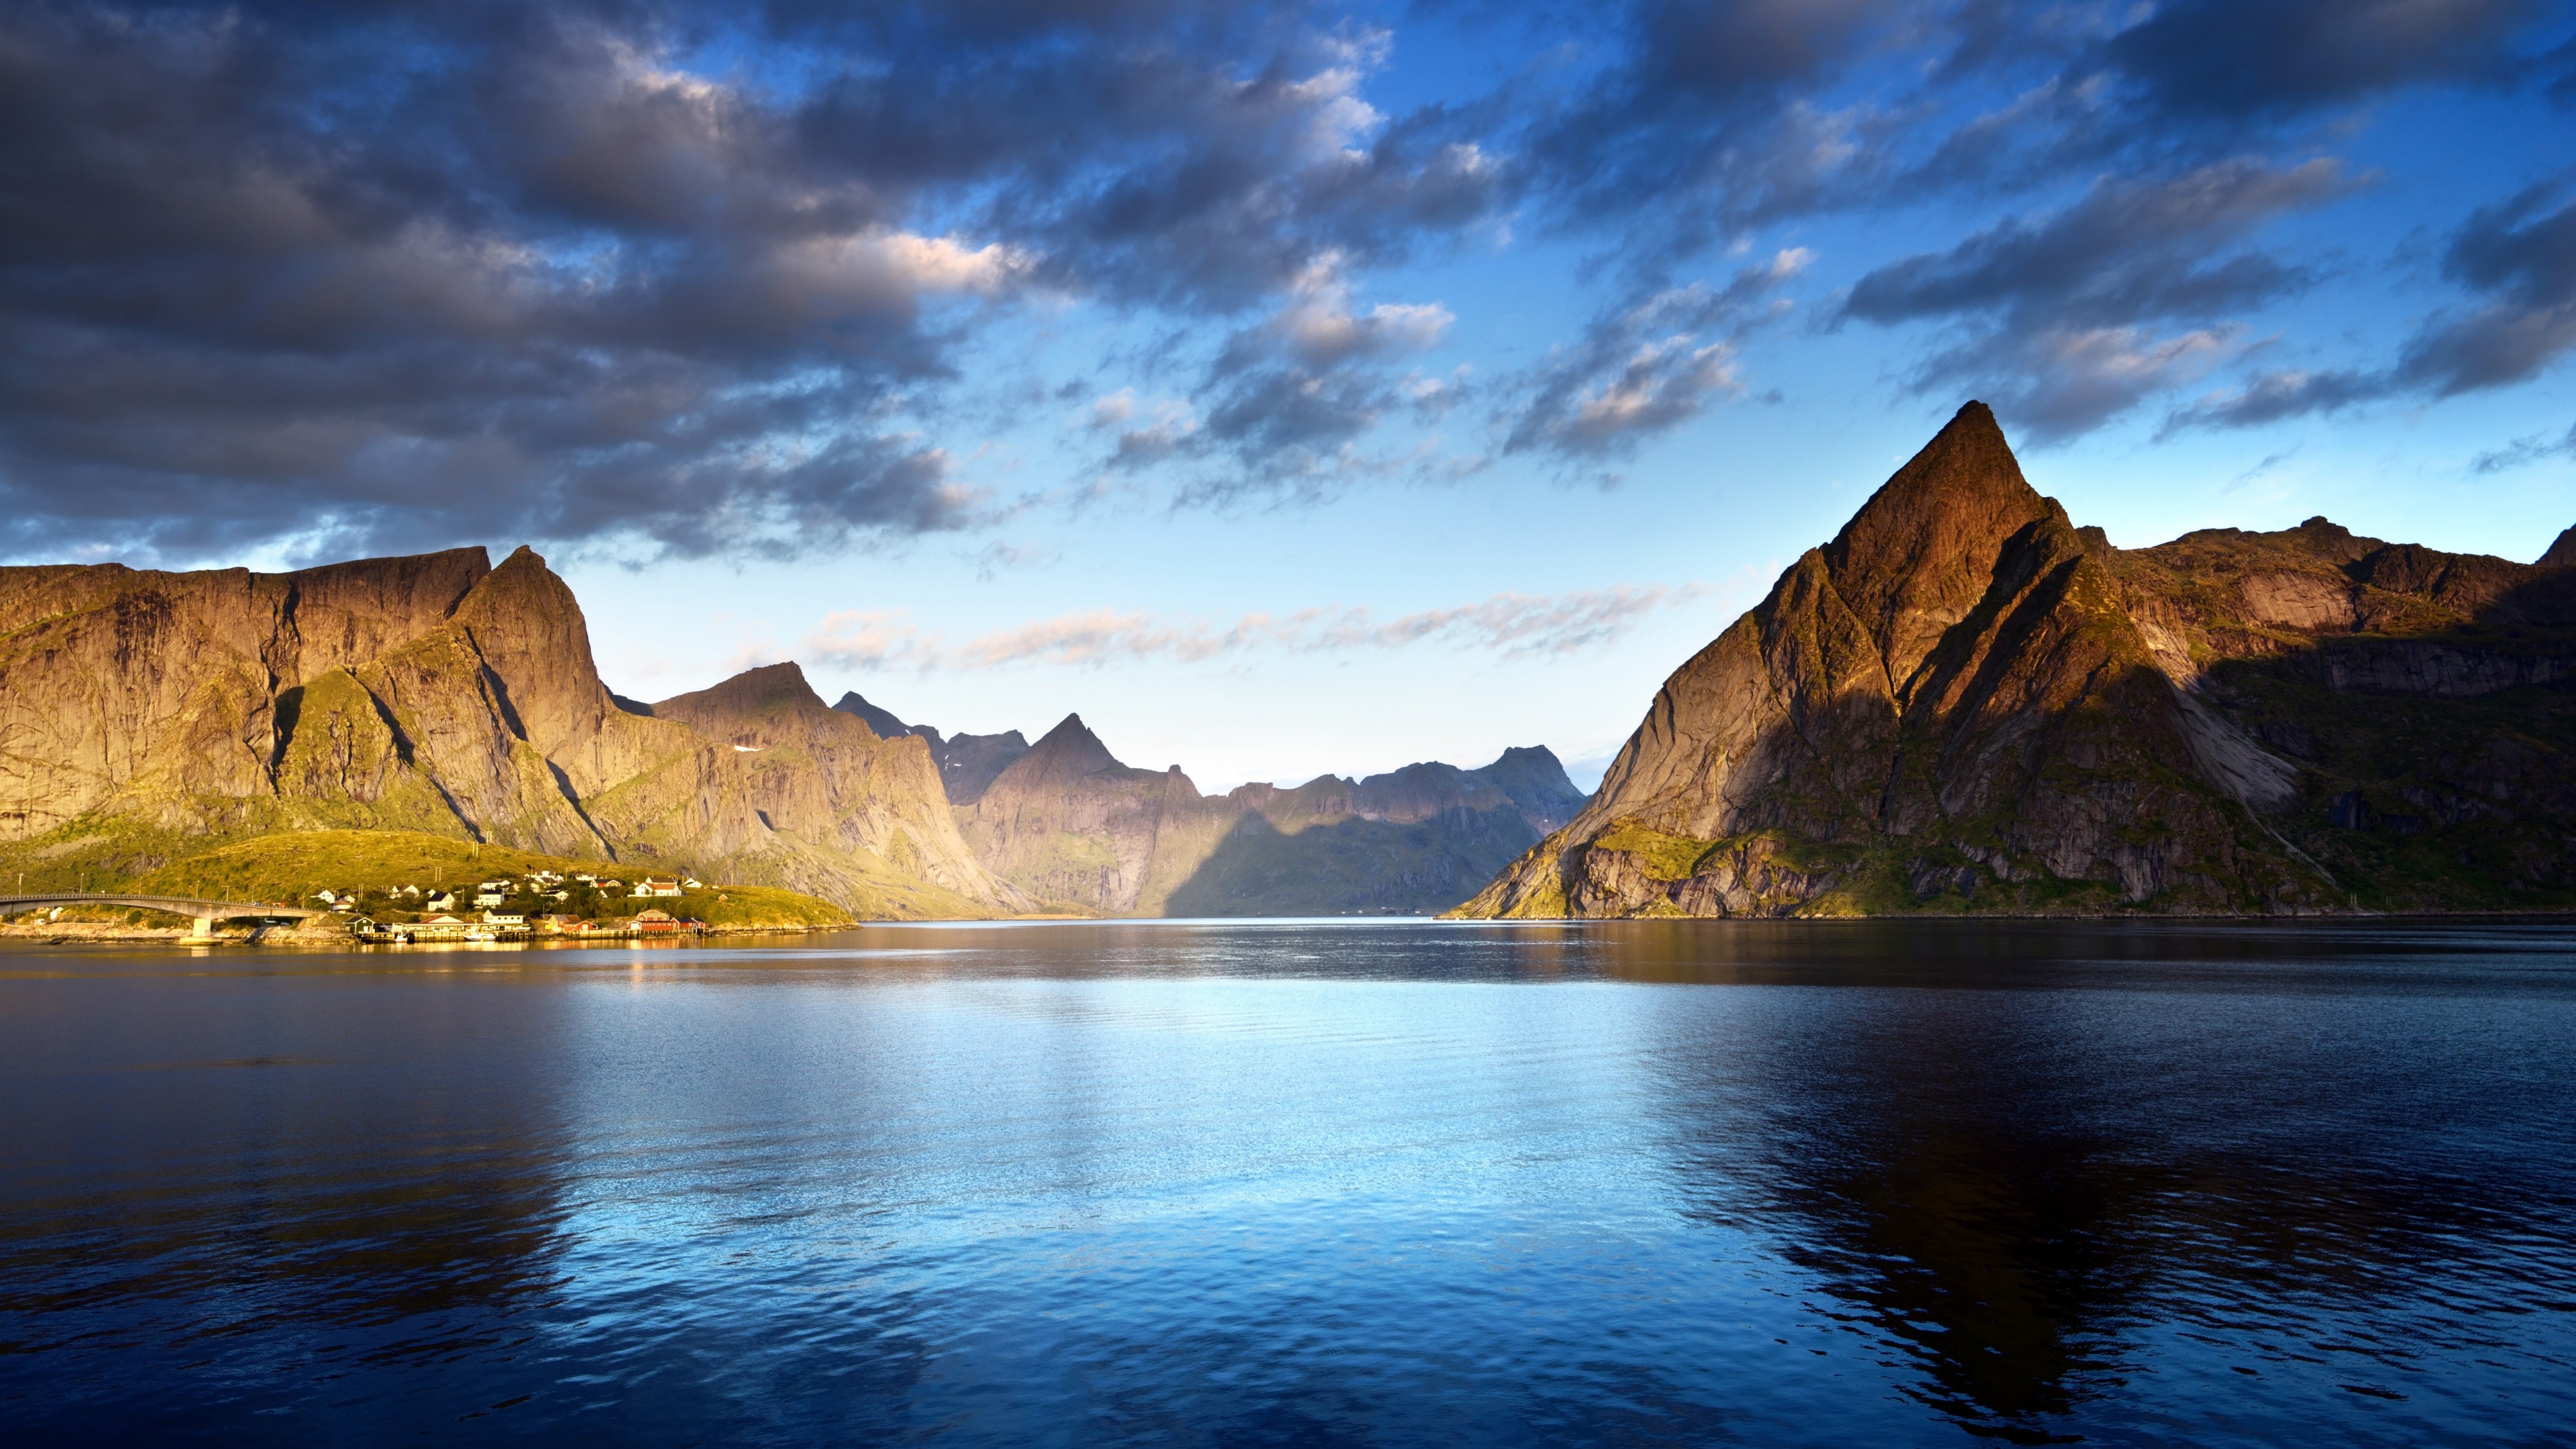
(509, 908)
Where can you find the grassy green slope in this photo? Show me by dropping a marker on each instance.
(291, 866)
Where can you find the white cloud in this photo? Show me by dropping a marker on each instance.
(1511, 624)
(1321, 328)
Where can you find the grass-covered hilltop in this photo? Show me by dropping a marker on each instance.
(1966, 704)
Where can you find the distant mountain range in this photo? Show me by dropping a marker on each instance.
(150, 717)
(1063, 820)
(1964, 702)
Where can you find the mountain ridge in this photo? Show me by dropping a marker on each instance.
(147, 714)
(1965, 702)
(1066, 821)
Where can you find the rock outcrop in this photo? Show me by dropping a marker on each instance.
(142, 711)
(1964, 702)
(1068, 823)
(967, 763)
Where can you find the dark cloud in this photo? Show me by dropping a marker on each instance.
(2518, 254)
(2072, 319)
(1715, 119)
(2524, 260)
(2127, 252)
(1646, 367)
(2229, 60)
(1709, 121)
(662, 275)
(388, 277)
(1284, 403)
(2523, 452)
(2272, 396)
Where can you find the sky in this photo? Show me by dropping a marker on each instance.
(1286, 388)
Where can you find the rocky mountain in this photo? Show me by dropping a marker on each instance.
(1068, 823)
(145, 715)
(967, 763)
(1966, 703)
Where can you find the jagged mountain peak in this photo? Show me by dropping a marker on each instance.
(1535, 781)
(1919, 554)
(882, 720)
(2562, 554)
(522, 577)
(2204, 725)
(1966, 475)
(1070, 749)
(531, 636)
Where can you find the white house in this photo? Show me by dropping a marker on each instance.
(653, 886)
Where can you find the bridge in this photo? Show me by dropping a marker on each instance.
(206, 913)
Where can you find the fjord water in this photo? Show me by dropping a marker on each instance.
(1303, 1183)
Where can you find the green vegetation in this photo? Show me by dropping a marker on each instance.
(2417, 804)
(290, 867)
(1661, 856)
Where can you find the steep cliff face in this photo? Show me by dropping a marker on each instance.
(1068, 823)
(1964, 702)
(827, 789)
(968, 764)
(147, 713)
(157, 693)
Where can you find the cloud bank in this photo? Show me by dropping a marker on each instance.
(664, 277)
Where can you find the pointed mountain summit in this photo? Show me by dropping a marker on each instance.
(968, 764)
(1920, 553)
(1964, 702)
(2561, 554)
(882, 721)
(1070, 751)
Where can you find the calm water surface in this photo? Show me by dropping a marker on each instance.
(1303, 1183)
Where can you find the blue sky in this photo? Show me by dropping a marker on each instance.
(1287, 389)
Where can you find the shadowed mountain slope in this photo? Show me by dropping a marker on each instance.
(1963, 702)
(1067, 822)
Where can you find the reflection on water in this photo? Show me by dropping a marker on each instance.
(1305, 1183)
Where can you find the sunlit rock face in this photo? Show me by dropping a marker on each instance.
(1965, 703)
(968, 764)
(141, 710)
